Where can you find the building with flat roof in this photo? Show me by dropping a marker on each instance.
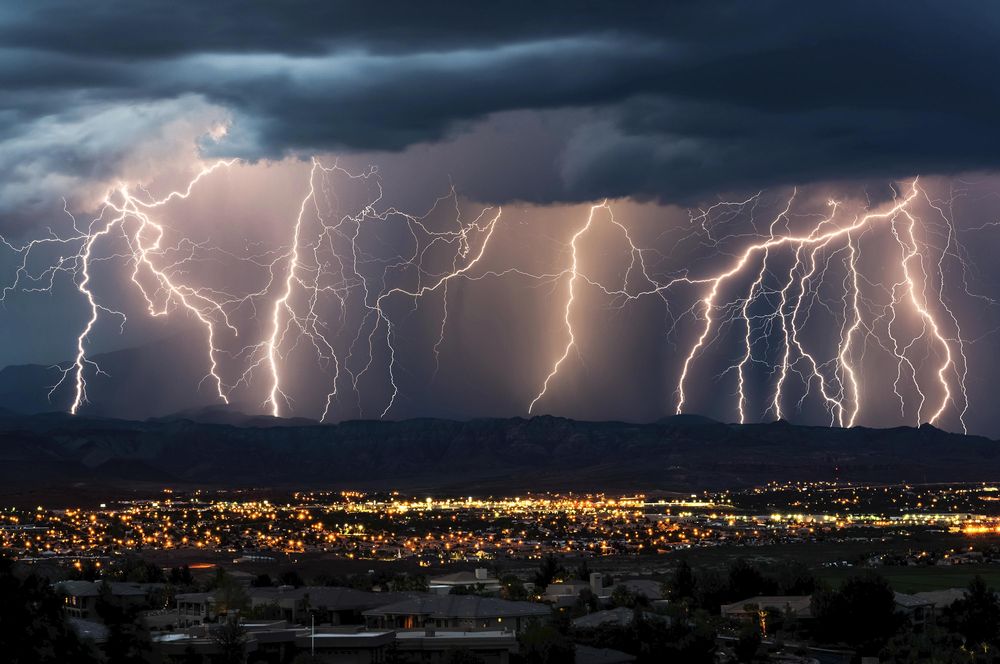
(437, 646)
(461, 612)
(480, 578)
(280, 642)
(195, 608)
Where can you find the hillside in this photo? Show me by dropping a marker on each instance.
(53, 451)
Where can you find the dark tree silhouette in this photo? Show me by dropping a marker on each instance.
(548, 570)
(977, 615)
(682, 583)
(862, 614)
(33, 629)
(231, 638)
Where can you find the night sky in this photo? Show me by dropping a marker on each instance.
(708, 128)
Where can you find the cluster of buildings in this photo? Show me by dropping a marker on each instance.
(920, 608)
(341, 624)
(345, 525)
(348, 625)
(351, 626)
(438, 531)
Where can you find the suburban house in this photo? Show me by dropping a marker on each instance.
(278, 641)
(799, 606)
(565, 593)
(439, 646)
(918, 609)
(80, 597)
(456, 612)
(466, 580)
(195, 608)
(327, 604)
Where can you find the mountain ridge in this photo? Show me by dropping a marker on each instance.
(487, 455)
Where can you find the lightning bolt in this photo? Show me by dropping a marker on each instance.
(281, 306)
(128, 215)
(841, 392)
(568, 309)
(340, 290)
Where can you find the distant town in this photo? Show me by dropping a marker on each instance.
(770, 573)
(440, 531)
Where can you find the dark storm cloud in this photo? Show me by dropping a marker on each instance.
(666, 100)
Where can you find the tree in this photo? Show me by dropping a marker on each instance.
(935, 646)
(291, 578)
(33, 628)
(543, 644)
(231, 638)
(181, 576)
(548, 571)
(624, 596)
(977, 615)
(682, 583)
(269, 611)
(587, 602)
(654, 639)
(747, 643)
(691, 641)
(796, 579)
(746, 581)
(137, 570)
(128, 640)
(710, 591)
(862, 614)
(262, 581)
(87, 571)
(230, 595)
(477, 589)
(512, 588)
(409, 583)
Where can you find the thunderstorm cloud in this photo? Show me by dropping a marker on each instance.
(668, 101)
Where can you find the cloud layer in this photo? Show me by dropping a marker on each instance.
(672, 101)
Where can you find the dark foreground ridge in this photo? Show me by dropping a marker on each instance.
(54, 452)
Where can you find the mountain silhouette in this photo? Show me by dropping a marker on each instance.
(55, 450)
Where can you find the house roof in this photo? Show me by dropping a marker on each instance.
(800, 605)
(941, 598)
(331, 598)
(651, 589)
(620, 616)
(196, 597)
(78, 588)
(460, 606)
(461, 578)
(911, 601)
(93, 588)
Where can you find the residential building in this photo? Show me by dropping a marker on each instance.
(80, 597)
(799, 606)
(457, 612)
(479, 579)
